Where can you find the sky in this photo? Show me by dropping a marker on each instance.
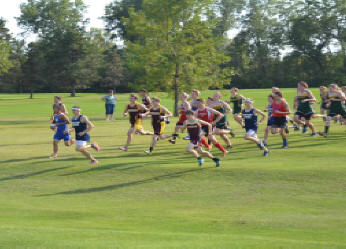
(9, 9)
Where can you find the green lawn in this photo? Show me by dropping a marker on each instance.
(294, 199)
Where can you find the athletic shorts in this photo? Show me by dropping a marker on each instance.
(137, 125)
(60, 136)
(306, 116)
(159, 128)
(222, 126)
(205, 130)
(333, 114)
(81, 143)
(270, 121)
(251, 133)
(194, 144)
(279, 122)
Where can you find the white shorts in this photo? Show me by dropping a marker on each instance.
(80, 143)
(251, 133)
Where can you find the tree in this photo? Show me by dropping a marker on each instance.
(61, 27)
(5, 48)
(175, 50)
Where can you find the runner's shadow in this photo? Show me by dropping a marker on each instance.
(30, 174)
(128, 184)
(24, 159)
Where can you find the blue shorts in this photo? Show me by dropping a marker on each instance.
(59, 136)
(110, 109)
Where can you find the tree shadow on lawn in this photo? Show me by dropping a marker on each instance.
(128, 184)
(30, 174)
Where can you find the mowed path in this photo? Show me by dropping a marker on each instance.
(294, 199)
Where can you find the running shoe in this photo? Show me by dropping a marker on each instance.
(305, 130)
(217, 162)
(172, 141)
(147, 152)
(187, 137)
(261, 145)
(322, 134)
(94, 162)
(266, 153)
(284, 147)
(95, 146)
(123, 149)
(314, 135)
(53, 157)
(296, 127)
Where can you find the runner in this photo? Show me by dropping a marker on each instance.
(135, 111)
(194, 128)
(250, 122)
(269, 109)
(237, 101)
(280, 110)
(82, 126)
(159, 115)
(185, 105)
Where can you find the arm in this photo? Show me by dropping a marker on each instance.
(227, 107)
(210, 127)
(89, 124)
(262, 114)
(143, 108)
(65, 118)
(295, 105)
(126, 110)
(64, 108)
(311, 97)
(218, 114)
(167, 113)
(287, 112)
(187, 106)
(103, 99)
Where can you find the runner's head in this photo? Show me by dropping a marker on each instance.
(333, 87)
(156, 101)
(234, 90)
(277, 95)
(143, 92)
(343, 89)
(275, 89)
(210, 101)
(270, 98)
(184, 96)
(249, 103)
(217, 96)
(76, 110)
(57, 99)
(133, 97)
(190, 115)
(195, 94)
(200, 103)
(302, 85)
(323, 88)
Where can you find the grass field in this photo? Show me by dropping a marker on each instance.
(293, 199)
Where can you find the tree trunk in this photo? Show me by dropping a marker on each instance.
(176, 90)
(31, 94)
(73, 90)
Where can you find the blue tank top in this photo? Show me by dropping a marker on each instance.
(79, 126)
(60, 128)
(250, 119)
(270, 110)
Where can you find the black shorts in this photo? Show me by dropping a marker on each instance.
(306, 116)
(279, 122)
(179, 124)
(205, 130)
(159, 128)
(222, 126)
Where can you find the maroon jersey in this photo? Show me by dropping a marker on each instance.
(194, 130)
(133, 112)
(156, 115)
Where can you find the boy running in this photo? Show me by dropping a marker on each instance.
(82, 126)
(237, 100)
(159, 116)
(336, 105)
(185, 106)
(60, 126)
(135, 111)
(303, 103)
(280, 110)
(194, 128)
(324, 100)
(221, 127)
(146, 101)
(250, 122)
(207, 114)
(270, 119)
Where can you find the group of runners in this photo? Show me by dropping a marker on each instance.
(204, 120)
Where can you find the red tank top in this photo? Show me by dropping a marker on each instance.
(205, 115)
(279, 107)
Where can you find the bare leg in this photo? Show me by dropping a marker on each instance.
(143, 132)
(298, 121)
(226, 139)
(266, 134)
(55, 148)
(204, 152)
(86, 153)
(193, 152)
(311, 126)
(129, 137)
(238, 119)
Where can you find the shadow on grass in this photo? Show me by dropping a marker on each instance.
(127, 184)
(24, 159)
(30, 174)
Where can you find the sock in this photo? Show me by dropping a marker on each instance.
(215, 159)
(204, 142)
(219, 146)
(326, 129)
(209, 142)
(199, 158)
(151, 149)
(285, 142)
(174, 136)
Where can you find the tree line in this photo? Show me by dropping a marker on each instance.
(175, 45)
